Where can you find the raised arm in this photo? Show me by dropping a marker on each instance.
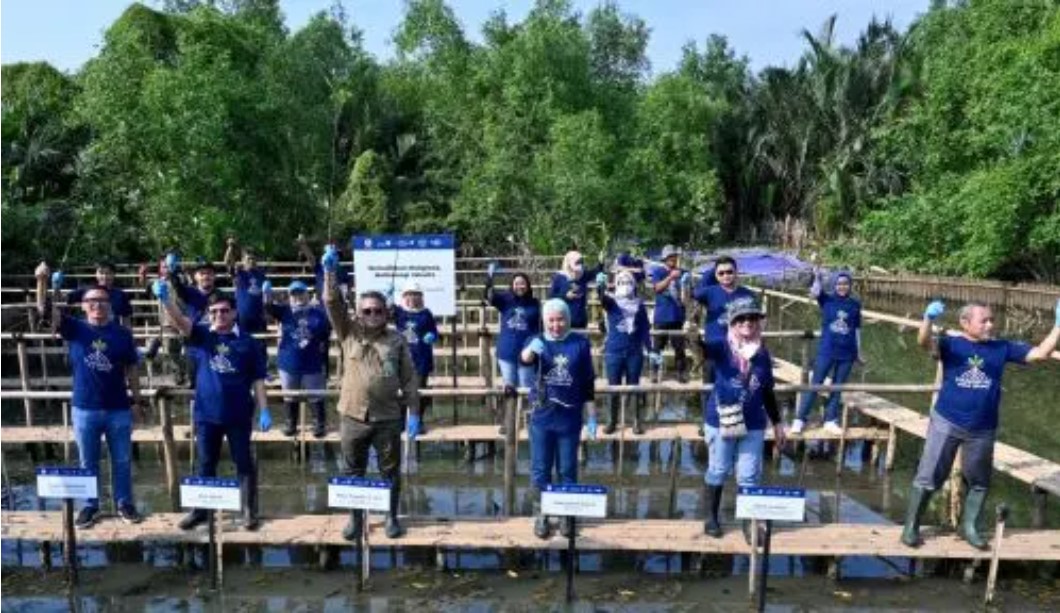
(931, 313)
(179, 320)
(304, 250)
(334, 304)
(1045, 348)
(42, 273)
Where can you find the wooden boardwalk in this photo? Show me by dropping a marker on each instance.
(643, 535)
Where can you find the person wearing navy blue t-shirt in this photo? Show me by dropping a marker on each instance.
(519, 313)
(302, 354)
(837, 350)
(628, 338)
(571, 285)
(229, 384)
(716, 296)
(739, 408)
(562, 391)
(248, 280)
(103, 359)
(965, 413)
(120, 307)
(416, 324)
(669, 284)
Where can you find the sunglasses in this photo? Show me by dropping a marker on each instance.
(97, 301)
(725, 272)
(744, 319)
(220, 311)
(372, 311)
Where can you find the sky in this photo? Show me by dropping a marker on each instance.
(66, 33)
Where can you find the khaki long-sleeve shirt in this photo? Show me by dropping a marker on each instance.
(378, 378)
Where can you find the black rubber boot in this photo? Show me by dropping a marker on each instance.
(566, 527)
(320, 425)
(354, 526)
(712, 527)
(542, 527)
(290, 426)
(248, 489)
(191, 520)
(613, 407)
(918, 503)
(393, 526)
(974, 501)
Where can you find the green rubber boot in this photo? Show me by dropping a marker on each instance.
(973, 508)
(918, 503)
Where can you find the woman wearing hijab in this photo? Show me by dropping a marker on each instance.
(520, 318)
(839, 348)
(562, 391)
(628, 337)
(736, 412)
(571, 285)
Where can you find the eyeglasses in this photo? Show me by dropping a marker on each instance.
(725, 272)
(220, 311)
(372, 311)
(96, 301)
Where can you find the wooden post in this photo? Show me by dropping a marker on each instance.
(804, 372)
(66, 430)
(1040, 499)
(956, 490)
(23, 375)
(842, 441)
(892, 447)
(69, 543)
(302, 430)
(169, 452)
(511, 451)
(671, 501)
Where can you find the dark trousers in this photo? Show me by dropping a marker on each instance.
(940, 450)
(208, 439)
(553, 447)
(385, 436)
(659, 343)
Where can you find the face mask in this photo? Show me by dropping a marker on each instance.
(749, 350)
(624, 290)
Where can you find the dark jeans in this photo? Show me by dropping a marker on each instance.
(624, 368)
(384, 436)
(940, 449)
(208, 439)
(551, 446)
(678, 341)
(840, 370)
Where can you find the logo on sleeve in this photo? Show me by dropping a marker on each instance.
(974, 378)
(97, 360)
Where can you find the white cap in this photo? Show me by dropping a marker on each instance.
(411, 287)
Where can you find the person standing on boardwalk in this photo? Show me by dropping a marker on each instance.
(379, 384)
(716, 298)
(103, 359)
(229, 384)
(966, 411)
(571, 285)
(628, 339)
(416, 323)
(838, 349)
(563, 389)
(520, 320)
(120, 307)
(669, 282)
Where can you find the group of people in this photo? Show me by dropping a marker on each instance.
(541, 347)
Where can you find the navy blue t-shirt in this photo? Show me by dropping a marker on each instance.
(668, 307)
(626, 332)
(98, 357)
(119, 300)
(566, 377)
(579, 311)
(226, 367)
(731, 387)
(414, 325)
(717, 300)
(304, 336)
(971, 379)
(840, 322)
(520, 321)
(194, 300)
(250, 305)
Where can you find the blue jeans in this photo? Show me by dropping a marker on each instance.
(89, 426)
(510, 371)
(746, 450)
(310, 381)
(550, 446)
(208, 439)
(840, 375)
(627, 366)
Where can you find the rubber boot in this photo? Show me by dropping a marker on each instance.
(393, 526)
(745, 527)
(290, 426)
(320, 425)
(354, 526)
(248, 490)
(712, 527)
(566, 527)
(638, 414)
(542, 528)
(193, 519)
(918, 503)
(974, 501)
(612, 425)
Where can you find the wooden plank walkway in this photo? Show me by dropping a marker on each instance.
(647, 535)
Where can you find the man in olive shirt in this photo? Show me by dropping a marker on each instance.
(378, 385)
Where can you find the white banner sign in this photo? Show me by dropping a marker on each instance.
(63, 482)
(388, 262)
(210, 493)
(774, 503)
(574, 500)
(358, 493)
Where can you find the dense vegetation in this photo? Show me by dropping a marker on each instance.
(936, 149)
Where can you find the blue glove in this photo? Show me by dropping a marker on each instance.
(390, 294)
(1058, 313)
(57, 279)
(591, 426)
(655, 358)
(934, 309)
(414, 426)
(601, 278)
(161, 290)
(536, 346)
(491, 270)
(430, 338)
(330, 259)
(264, 420)
(172, 261)
(266, 287)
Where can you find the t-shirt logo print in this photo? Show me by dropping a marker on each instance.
(840, 326)
(254, 288)
(518, 319)
(302, 333)
(558, 374)
(219, 363)
(974, 378)
(410, 333)
(97, 360)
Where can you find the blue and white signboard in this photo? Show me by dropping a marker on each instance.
(574, 500)
(359, 493)
(773, 503)
(390, 261)
(214, 493)
(64, 482)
